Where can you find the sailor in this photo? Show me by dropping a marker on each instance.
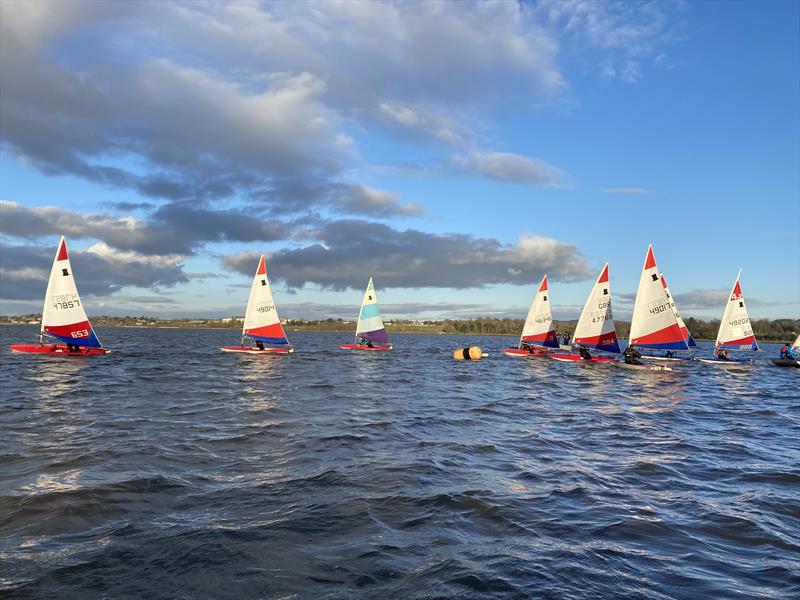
(669, 354)
(632, 356)
(722, 354)
(584, 353)
(527, 346)
(786, 352)
(259, 345)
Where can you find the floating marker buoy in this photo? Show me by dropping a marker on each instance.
(471, 353)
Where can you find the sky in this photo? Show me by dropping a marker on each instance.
(454, 151)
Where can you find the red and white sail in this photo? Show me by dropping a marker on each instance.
(261, 320)
(595, 327)
(539, 328)
(681, 323)
(654, 324)
(735, 330)
(63, 316)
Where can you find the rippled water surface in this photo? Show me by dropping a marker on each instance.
(170, 470)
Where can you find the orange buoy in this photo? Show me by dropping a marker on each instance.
(471, 353)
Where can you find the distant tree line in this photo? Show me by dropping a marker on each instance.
(777, 330)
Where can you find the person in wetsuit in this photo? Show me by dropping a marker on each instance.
(584, 353)
(632, 356)
(259, 345)
(722, 354)
(786, 352)
(527, 346)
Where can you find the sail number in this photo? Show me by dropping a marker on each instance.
(600, 316)
(265, 308)
(66, 301)
(543, 319)
(81, 333)
(737, 322)
(659, 306)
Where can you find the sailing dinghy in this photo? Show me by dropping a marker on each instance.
(539, 331)
(789, 362)
(668, 354)
(654, 325)
(595, 329)
(261, 322)
(63, 317)
(370, 332)
(735, 331)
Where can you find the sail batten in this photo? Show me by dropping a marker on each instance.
(539, 328)
(595, 327)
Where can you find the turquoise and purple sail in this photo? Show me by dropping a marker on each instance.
(370, 324)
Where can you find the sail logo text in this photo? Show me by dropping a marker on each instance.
(265, 308)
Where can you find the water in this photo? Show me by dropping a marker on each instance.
(170, 470)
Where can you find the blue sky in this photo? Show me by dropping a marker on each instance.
(453, 151)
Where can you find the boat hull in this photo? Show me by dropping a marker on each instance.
(666, 358)
(785, 362)
(643, 367)
(731, 362)
(519, 353)
(251, 350)
(577, 358)
(56, 350)
(365, 347)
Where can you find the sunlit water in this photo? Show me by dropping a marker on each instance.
(170, 470)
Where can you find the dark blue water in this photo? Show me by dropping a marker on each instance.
(170, 470)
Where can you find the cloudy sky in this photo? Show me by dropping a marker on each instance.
(455, 152)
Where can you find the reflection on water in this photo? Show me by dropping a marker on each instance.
(55, 377)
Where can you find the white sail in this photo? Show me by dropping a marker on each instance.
(539, 328)
(654, 324)
(681, 323)
(735, 330)
(63, 316)
(261, 320)
(595, 327)
(370, 324)
(796, 345)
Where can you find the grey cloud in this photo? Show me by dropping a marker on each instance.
(349, 251)
(698, 299)
(176, 228)
(509, 167)
(24, 271)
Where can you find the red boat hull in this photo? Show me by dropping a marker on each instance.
(251, 350)
(365, 347)
(577, 358)
(516, 352)
(56, 350)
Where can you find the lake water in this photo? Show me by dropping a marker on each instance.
(170, 470)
